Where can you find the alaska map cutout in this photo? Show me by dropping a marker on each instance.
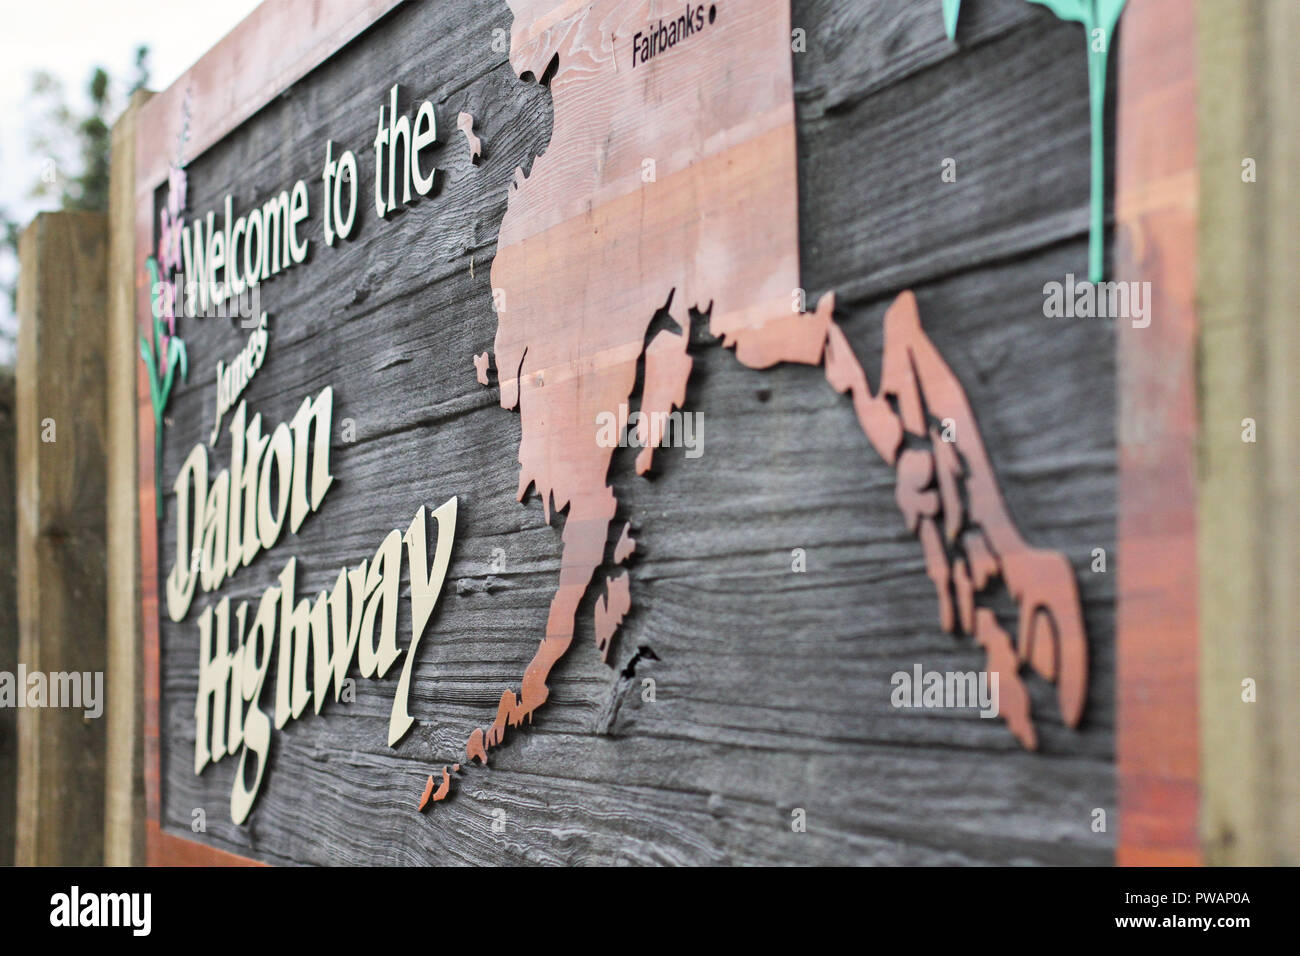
(670, 183)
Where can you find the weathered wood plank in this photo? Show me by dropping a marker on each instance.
(1249, 558)
(61, 557)
(851, 51)
(1007, 111)
(124, 809)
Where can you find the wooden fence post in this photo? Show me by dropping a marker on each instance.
(61, 399)
(1249, 475)
(124, 812)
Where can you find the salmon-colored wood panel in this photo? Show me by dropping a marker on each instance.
(1157, 746)
(167, 850)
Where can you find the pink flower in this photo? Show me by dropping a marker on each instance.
(169, 241)
(177, 183)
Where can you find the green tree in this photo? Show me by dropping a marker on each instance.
(76, 144)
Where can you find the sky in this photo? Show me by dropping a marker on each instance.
(68, 38)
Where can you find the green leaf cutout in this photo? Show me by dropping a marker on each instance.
(160, 383)
(951, 9)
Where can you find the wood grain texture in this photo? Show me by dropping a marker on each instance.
(267, 51)
(772, 688)
(124, 807)
(1246, 289)
(61, 518)
(1158, 627)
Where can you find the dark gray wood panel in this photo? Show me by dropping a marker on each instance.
(772, 688)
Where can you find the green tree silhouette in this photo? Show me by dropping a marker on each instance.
(77, 144)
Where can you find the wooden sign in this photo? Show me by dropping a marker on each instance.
(624, 431)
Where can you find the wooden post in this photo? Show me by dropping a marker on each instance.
(61, 559)
(1249, 476)
(124, 812)
(8, 616)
